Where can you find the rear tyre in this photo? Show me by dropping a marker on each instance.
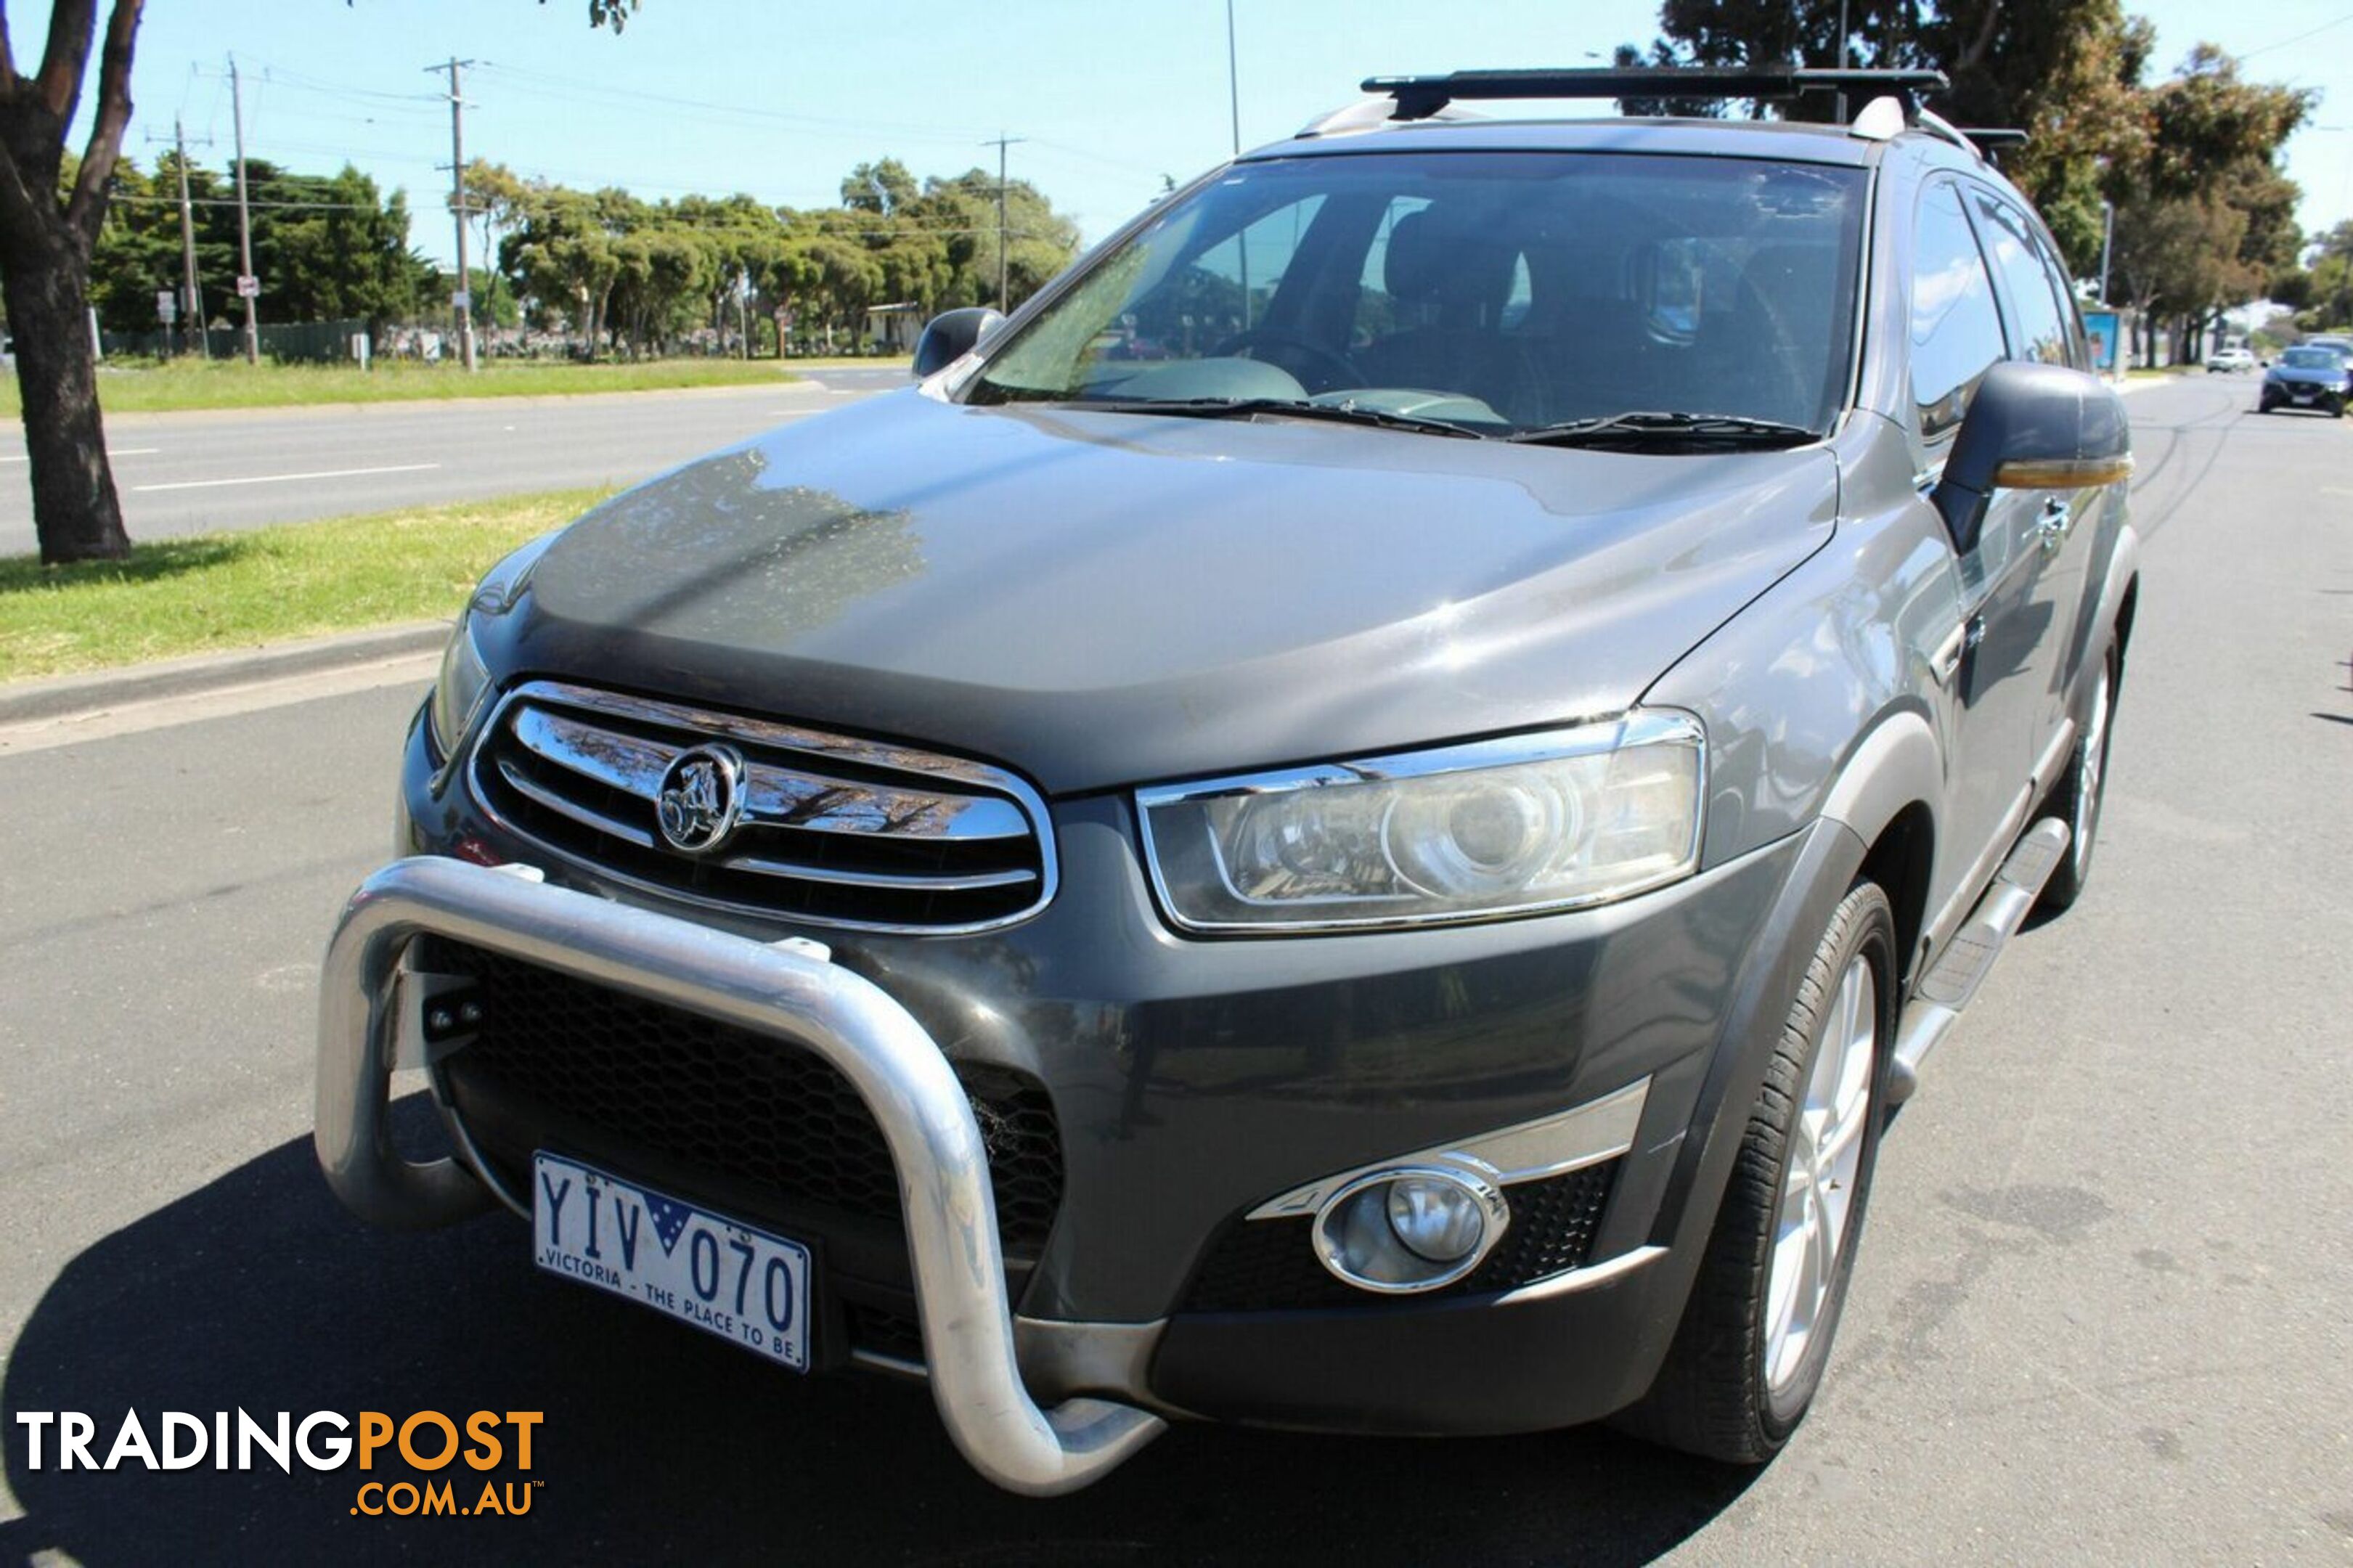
(2078, 798)
(1756, 1332)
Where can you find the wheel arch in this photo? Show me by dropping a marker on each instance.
(1884, 796)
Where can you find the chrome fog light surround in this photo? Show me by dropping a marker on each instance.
(1380, 1231)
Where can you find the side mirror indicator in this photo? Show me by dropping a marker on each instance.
(2032, 427)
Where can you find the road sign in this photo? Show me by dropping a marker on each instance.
(249, 286)
(167, 307)
(461, 301)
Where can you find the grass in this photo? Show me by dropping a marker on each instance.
(219, 592)
(147, 388)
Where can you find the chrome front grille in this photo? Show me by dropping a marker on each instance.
(828, 829)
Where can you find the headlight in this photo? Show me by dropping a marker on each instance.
(1528, 823)
(465, 678)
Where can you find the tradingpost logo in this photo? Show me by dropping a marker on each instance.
(447, 1453)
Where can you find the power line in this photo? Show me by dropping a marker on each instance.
(568, 87)
(2284, 42)
(134, 199)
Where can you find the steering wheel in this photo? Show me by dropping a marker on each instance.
(1273, 337)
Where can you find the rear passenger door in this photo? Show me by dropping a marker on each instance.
(2064, 524)
(1993, 668)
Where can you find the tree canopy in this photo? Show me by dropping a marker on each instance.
(325, 247)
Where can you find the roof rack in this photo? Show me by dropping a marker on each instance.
(1419, 97)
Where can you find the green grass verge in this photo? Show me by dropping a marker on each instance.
(219, 592)
(146, 387)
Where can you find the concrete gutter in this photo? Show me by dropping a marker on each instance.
(25, 700)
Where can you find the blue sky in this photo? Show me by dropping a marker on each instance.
(780, 97)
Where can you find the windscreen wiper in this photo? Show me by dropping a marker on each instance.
(1667, 427)
(1243, 408)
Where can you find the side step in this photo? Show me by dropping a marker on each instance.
(1936, 1006)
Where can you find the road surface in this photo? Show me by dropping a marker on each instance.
(234, 469)
(2100, 1314)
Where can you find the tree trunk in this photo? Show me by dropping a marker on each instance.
(45, 279)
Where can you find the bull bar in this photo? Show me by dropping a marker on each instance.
(792, 996)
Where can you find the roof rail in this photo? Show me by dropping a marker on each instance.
(1419, 97)
(1938, 126)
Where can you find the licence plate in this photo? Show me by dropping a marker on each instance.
(718, 1274)
(2305, 396)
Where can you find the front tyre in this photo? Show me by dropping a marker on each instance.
(2078, 796)
(1756, 1332)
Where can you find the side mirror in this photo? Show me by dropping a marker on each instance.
(2032, 427)
(951, 335)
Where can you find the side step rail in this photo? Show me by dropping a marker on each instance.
(1937, 1003)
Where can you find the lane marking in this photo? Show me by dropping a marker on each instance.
(110, 451)
(288, 479)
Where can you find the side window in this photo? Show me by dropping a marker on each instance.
(1956, 328)
(2037, 318)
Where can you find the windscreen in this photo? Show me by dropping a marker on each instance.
(1502, 292)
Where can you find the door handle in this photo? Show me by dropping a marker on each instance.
(2051, 528)
(1945, 662)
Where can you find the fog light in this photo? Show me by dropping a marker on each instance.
(1438, 1220)
(1397, 1231)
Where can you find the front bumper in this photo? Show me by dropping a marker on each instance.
(903, 1078)
(1195, 1080)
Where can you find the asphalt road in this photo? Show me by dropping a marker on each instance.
(212, 471)
(2101, 1313)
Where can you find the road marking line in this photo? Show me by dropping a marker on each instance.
(110, 451)
(284, 478)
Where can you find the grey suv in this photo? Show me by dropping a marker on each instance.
(1354, 820)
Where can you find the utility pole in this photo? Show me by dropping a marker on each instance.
(464, 297)
(247, 286)
(1001, 143)
(192, 299)
(192, 304)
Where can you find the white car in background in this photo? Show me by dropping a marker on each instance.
(2229, 359)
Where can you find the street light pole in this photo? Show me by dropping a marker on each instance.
(2107, 244)
(1233, 79)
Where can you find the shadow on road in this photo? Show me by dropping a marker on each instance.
(662, 1445)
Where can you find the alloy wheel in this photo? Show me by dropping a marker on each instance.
(1818, 1175)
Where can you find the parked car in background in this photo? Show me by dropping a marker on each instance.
(2234, 358)
(2307, 376)
(1379, 867)
(2333, 342)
